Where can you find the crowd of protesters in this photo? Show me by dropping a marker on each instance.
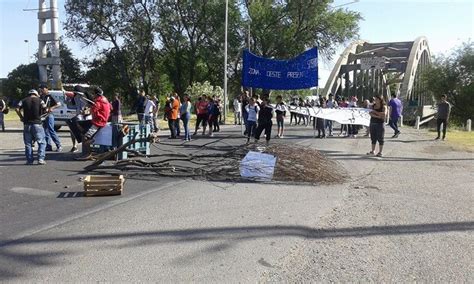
(254, 112)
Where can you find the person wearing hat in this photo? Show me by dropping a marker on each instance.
(29, 110)
(48, 119)
(100, 111)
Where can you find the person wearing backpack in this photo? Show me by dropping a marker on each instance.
(252, 110)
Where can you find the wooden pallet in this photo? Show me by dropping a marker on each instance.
(103, 185)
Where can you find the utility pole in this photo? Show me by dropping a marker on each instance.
(51, 39)
(225, 57)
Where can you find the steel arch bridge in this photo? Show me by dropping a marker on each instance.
(365, 69)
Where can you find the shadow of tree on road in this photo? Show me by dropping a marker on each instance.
(13, 252)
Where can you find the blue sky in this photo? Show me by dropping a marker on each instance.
(446, 24)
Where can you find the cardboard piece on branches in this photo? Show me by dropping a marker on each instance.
(258, 166)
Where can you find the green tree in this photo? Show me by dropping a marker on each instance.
(283, 29)
(200, 89)
(70, 66)
(192, 38)
(127, 25)
(454, 75)
(20, 80)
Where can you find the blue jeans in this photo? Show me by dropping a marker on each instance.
(251, 127)
(185, 118)
(393, 123)
(50, 133)
(245, 116)
(329, 126)
(34, 132)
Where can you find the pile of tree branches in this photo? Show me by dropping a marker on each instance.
(220, 161)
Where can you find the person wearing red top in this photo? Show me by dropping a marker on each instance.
(100, 112)
(202, 114)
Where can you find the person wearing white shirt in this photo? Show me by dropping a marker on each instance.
(237, 110)
(252, 109)
(149, 110)
(330, 103)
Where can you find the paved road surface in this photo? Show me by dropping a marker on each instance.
(405, 217)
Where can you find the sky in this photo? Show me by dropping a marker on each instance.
(446, 24)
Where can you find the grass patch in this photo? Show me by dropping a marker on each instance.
(11, 116)
(459, 138)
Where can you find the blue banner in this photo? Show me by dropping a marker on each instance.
(300, 72)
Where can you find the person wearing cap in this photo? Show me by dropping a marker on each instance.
(100, 111)
(48, 119)
(29, 110)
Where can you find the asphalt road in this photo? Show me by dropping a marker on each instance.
(406, 217)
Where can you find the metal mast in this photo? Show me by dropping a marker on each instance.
(51, 40)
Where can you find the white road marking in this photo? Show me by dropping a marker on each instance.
(32, 191)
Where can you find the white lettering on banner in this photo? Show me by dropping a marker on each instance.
(253, 71)
(274, 74)
(312, 63)
(294, 75)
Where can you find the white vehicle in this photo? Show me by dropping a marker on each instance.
(64, 112)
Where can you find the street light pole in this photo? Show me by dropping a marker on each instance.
(225, 57)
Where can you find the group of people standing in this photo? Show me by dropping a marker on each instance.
(35, 111)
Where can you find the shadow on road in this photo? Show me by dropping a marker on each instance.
(225, 237)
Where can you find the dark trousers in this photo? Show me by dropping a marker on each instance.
(292, 116)
(377, 132)
(438, 126)
(171, 125)
(264, 126)
(393, 123)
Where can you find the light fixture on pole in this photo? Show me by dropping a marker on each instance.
(28, 47)
(225, 58)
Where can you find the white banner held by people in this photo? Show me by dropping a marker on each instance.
(356, 116)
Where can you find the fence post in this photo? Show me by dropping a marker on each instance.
(468, 125)
(417, 124)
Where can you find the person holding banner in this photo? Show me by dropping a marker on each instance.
(330, 103)
(377, 124)
(252, 109)
(280, 110)
(319, 123)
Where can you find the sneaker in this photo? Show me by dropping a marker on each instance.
(282, 136)
(73, 149)
(59, 149)
(437, 138)
(49, 148)
(370, 153)
(29, 163)
(444, 138)
(379, 155)
(41, 162)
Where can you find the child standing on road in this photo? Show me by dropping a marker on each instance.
(252, 110)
